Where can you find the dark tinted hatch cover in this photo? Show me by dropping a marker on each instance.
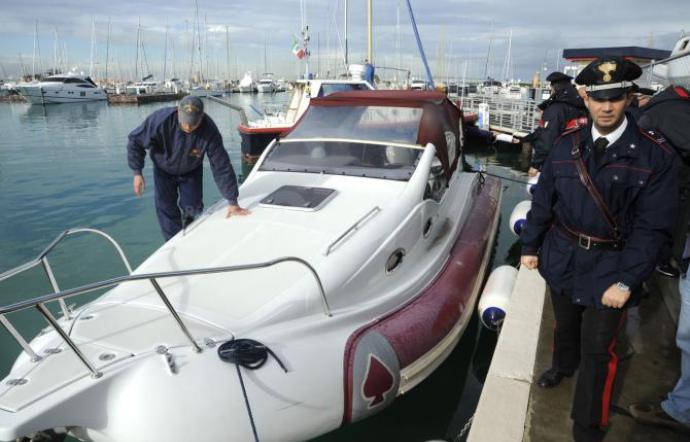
(298, 197)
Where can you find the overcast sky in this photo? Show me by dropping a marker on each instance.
(456, 34)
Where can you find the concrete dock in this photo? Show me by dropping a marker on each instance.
(513, 408)
(144, 98)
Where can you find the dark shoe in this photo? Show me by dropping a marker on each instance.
(668, 270)
(587, 434)
(653, 414)
(552, 377)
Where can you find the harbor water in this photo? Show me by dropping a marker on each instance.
(64, 166)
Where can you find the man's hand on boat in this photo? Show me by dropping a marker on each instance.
(234, 210)
(139, 185)
(529, 261)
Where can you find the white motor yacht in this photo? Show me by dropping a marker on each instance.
(62, 88)
(266, 84)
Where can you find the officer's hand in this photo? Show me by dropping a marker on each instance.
(236, 211)
(529, 261)
(532, 172)
(615, 297)
(139, 184)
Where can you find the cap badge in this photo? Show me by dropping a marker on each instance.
(607, 69)
(188, 108)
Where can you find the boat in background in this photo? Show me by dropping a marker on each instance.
(369, 246)
(247, 84)
(258, 133)
(266, 84)
(71, 87)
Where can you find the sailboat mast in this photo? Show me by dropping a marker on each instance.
(347, 63)
(93, 45)
(165, 53)
(370, 43)
(33, 60)
(227, 53)
(136, 59)
(107, 53)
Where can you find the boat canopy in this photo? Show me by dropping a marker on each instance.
(412, 118)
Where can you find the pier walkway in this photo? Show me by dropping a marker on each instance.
(512, 408)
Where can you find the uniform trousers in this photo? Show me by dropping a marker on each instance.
(179, 199)
(677, 403)
(585, 338)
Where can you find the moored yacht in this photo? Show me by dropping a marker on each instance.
(257, 134)
(62, 88)
(266, 84)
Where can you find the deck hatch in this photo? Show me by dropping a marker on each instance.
(299, 197)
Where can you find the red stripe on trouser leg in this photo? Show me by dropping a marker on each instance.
(610, 376)
(680, 91)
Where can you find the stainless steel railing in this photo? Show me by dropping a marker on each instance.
(39, 302)
(516, 116)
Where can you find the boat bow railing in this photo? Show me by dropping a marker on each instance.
(39, 303)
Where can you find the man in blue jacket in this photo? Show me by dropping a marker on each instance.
(603, 209)
(177, 139)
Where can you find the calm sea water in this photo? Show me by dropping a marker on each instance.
(65, 166)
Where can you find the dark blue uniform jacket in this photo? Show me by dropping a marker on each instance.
(637, 179)
(562, 107)
(178, 153)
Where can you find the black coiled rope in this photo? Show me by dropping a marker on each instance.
(251, 355)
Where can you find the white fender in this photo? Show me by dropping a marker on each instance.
(531, 185)
(518, 218)
(493, 305)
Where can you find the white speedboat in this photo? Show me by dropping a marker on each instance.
(247, 84)
(62, 88)
(352, 280)
(256, 134)
(266, 84)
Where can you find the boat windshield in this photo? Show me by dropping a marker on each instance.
(365, 123)
(343, 157)
(331, 88)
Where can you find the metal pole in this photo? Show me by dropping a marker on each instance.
(20, 340)
(46, 314)
(346, 49)
(56, 288)
(370, 53)
(173, 312)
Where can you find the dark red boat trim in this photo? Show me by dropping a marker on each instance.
(416, 327)
(262, 130)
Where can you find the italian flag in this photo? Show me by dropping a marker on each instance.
(298, 50)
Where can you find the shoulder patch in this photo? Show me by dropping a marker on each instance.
(570, 130)
(657, 138)
(576, 123)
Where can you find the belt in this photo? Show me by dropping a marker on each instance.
(591, 242)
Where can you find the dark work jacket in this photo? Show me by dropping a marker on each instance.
(669, 113)
(560, 108)
(637, 179)
(178, 153)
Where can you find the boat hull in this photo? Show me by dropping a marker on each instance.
(255, 140)
(43, 95)
(394, 353)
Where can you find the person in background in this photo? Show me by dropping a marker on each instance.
(177, 139)
(602, 211)
(669, 113)
(562, 106)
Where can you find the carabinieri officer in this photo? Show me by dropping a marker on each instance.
(177, 139)
(603, 209)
